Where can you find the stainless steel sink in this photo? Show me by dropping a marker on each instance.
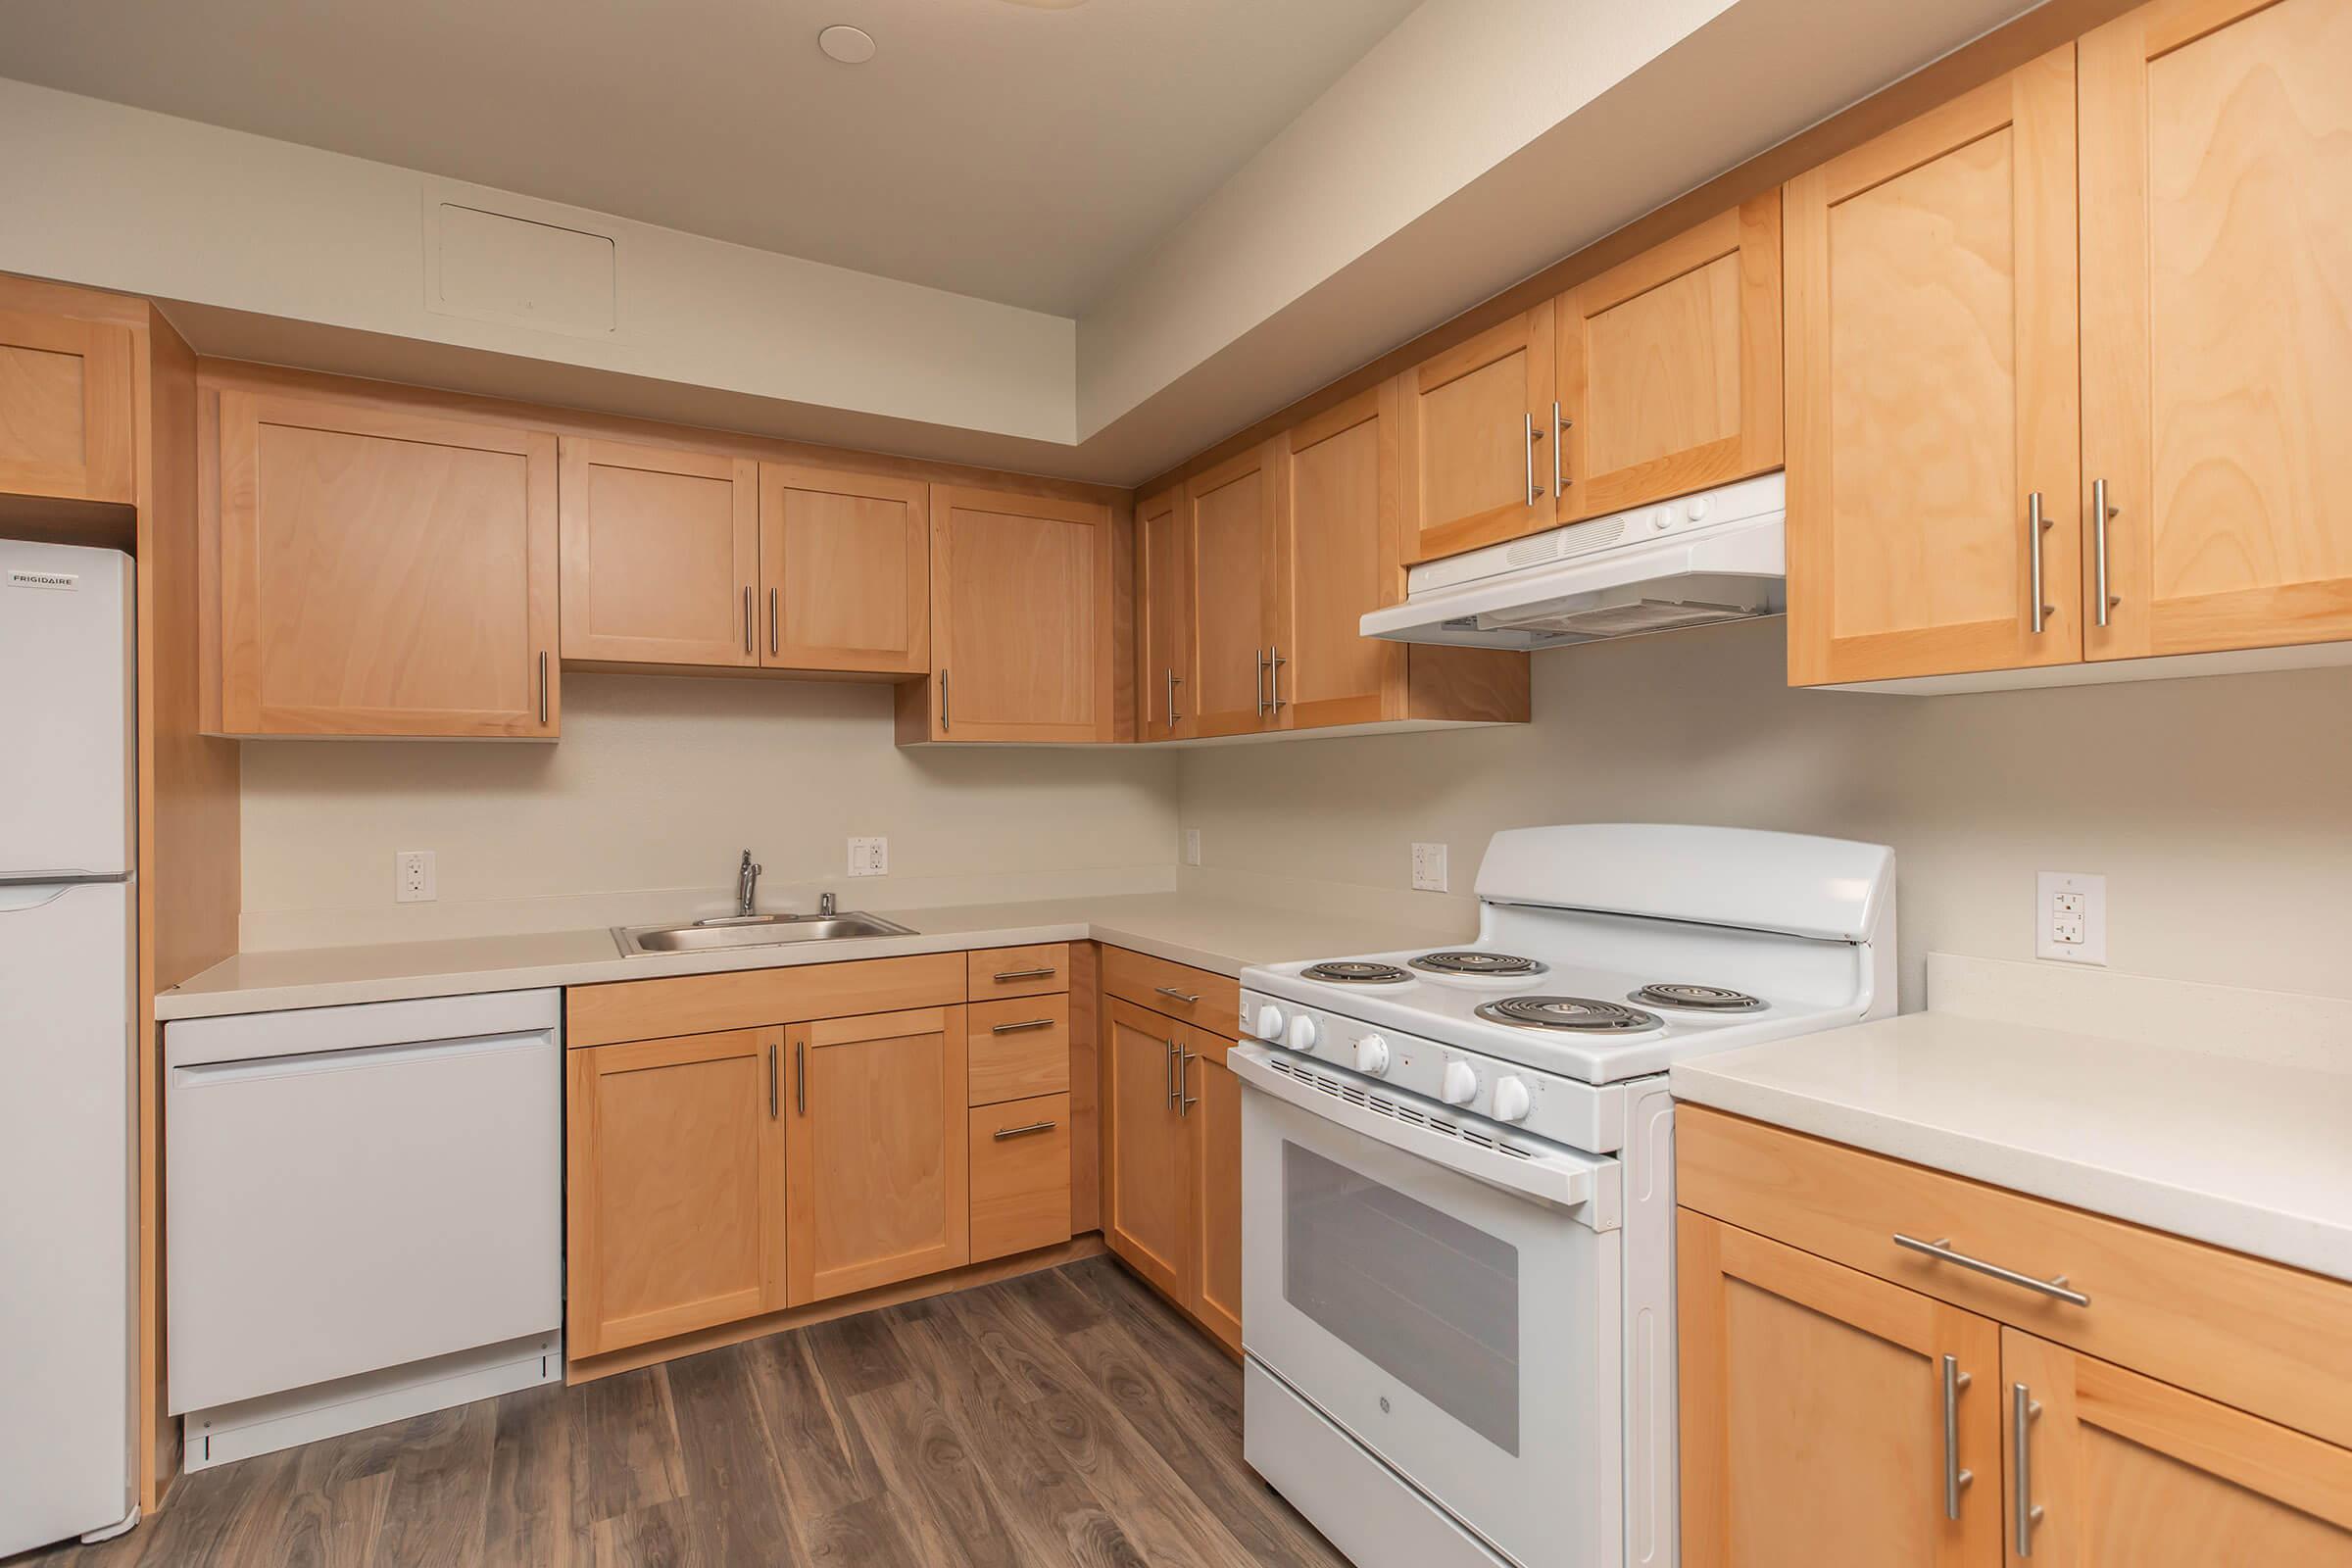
(752, 931)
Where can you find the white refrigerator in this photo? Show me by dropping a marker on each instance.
(66, 953)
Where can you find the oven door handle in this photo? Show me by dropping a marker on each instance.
(1560, 1177)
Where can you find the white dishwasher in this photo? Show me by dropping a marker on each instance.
(365, 1214)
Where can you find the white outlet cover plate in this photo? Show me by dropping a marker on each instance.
(869, 856)
(414, 878)
(2048, 887)
(1191, 845)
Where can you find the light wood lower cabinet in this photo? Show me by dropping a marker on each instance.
(675, 1182)
(1020, 1151)
(1172, 1158)
(876, 1157)
(64, 409)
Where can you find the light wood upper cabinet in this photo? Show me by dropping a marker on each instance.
(660, 555)
(845, 571)
(1669, 368)
(1814, 1413)
(2126, 1472)
(383, 573)
(674, 1192)
(1164, 632)
(1931, 410)
(1020, 622)
(1477, 449)
(1339, 555)
(65, 407)
(2217, 324)
(877, 1155)
(1213, 1107)
(1233, 517)
(1147, 1154)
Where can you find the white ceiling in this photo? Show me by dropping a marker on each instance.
(1017, 155)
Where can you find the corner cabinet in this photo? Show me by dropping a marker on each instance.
(1021, 621)
(381, 572)
(65, 427)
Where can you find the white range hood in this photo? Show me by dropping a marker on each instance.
(1719, 555)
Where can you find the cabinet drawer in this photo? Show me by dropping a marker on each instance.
(1032, 971)
(1021, 1175)
(2259, 1336)
(700, 1004)
(1017, 1048)
(1212, 1001)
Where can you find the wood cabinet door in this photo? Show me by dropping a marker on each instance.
(675, 1196)
(384, 572)
(877, 1161)
(1233, 513)
(2216, 325)
(1816, 1405)
(1340, 556)
(2122, 1471)
(1020, 617)
(660, 555)
(64, 409)
(1669, 367)
(845, 571)
(1932, 391)
(1146, 1147)
(1212, 1104)
(1164, 617)
(1476, 438)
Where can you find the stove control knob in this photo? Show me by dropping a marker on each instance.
(1460, 1085)
(1302, 1033)
(1269, 1023)
(1372, 1056)
(1512, 1102)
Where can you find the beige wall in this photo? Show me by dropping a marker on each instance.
(2220, 810)
(637, 813)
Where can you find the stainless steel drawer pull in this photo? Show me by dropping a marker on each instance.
(1016, 1028)
(2035, 526)
(1025, 974)
(771, 1080)
(800, 1079)
(2023, 1412)
(543, 691)
(1184, 997)
(1002, 1133)
(1954, 1478)
(747, 619)
(2100, 514)
(1940, 1249)
(774, 645)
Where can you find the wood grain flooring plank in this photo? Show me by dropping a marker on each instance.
(624, 1447)
(858, 1535)
(936, 1491)
(732, 1476)
(659, 1535)
(857, 1354)
(530, 1516)
(821, 1457)
(439, 1506)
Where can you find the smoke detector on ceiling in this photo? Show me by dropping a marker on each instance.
(852, 46)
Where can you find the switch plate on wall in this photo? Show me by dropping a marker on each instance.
(869, 856)
(1429, 867)
(2070, 916)
(1191, 845)
(413, 878)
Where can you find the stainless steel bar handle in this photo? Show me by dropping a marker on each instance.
(2100, 511)
(1168, 1071)
(1258, 656)
(1016, 1028)
(1002, 1133)
(2035, 526)
(747, 618)
(1530, 437)
(1940, 1249)
(1560, 482)
(543, 689)
(1186, 1100)
(1184, 997)
(1954, 1478)
(771, 1080)
(1274, 663)
(800, 1079)
(1174, 680)
(1025, 974)
(2023, 1412)
(944, 724)
(774, 645)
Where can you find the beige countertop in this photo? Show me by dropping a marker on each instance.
(1223, 935)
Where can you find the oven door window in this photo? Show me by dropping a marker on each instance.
(1430, 1299)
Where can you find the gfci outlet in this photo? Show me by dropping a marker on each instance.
(2070, 916)
(869, 856)
(1429, 867)
(413, 879)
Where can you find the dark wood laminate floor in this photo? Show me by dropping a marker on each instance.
(1064, 1417)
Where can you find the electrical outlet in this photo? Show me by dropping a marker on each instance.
(1191, 845)
(413, 878)
(869, 856)
(2070, 916)
(1429, 867)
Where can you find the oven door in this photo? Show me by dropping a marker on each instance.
(1467, 1334)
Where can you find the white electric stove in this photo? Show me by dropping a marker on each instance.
(1456, 1177)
